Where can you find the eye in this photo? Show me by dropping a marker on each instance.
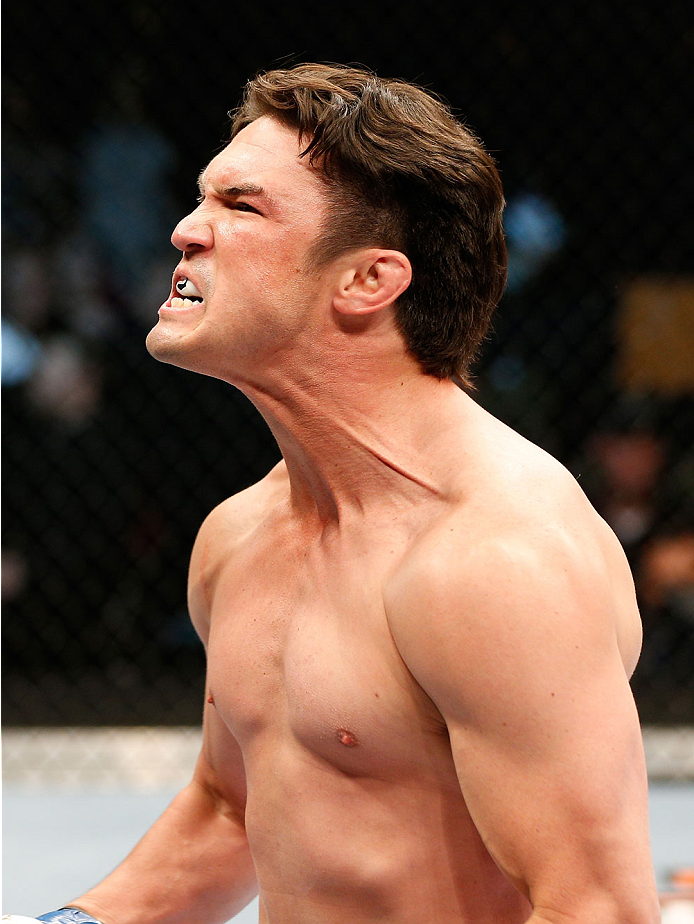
(243, 207)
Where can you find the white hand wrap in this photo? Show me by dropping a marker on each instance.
(62, 916)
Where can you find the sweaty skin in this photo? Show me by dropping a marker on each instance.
(419, 632)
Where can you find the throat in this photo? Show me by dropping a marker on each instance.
(357, 477)
(351, 449)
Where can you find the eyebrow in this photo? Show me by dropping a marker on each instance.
(231, 192)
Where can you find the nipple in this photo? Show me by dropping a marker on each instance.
(210, 699)
(347, 738)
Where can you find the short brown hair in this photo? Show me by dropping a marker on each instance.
(402, 173)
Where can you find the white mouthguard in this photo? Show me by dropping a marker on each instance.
(187, 288)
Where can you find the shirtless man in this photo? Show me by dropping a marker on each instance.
(419, 633)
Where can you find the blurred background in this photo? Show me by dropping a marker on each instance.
(111, 460)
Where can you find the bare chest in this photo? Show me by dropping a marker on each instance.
(300, 650)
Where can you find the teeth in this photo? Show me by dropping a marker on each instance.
(186, 287)
(183, 302)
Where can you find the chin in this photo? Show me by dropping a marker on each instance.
(160, 345)
(169, 348)
(185, 351)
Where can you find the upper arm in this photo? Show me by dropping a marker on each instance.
(515, 643)
(219, 769)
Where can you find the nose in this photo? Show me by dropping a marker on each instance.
(192, 234)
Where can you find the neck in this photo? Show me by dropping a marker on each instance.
(355, 438)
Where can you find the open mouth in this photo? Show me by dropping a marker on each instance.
(188, 294)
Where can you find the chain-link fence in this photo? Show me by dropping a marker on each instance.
(111, 461)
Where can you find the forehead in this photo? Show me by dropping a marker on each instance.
(266, 153)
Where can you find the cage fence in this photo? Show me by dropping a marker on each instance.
(111, 461)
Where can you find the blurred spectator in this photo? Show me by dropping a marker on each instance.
(124, 185)
(625, 460)
(639, 484)
(26, 287)
(665, 584)
(666, 574)
(14, 573)
(66, 384)
(20, 354)
(535, 232)
(36, 197)
(631, 462)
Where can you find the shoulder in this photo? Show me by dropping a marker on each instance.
(243, 511)
(516, 507)
(223, 531)
(520, 567)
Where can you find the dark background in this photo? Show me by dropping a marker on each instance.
(111, 461)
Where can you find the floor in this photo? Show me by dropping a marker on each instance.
(57, 843)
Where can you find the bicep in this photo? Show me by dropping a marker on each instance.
(523, 663)
(553, 775)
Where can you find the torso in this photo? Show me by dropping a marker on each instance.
(354, 811)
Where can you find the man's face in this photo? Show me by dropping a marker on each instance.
(245, 250)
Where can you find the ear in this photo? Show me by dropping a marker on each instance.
(371, 280)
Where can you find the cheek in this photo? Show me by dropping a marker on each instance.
(262, 269)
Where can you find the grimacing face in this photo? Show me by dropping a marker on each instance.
(244, 288)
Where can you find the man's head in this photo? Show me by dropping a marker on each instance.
(401, 172)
